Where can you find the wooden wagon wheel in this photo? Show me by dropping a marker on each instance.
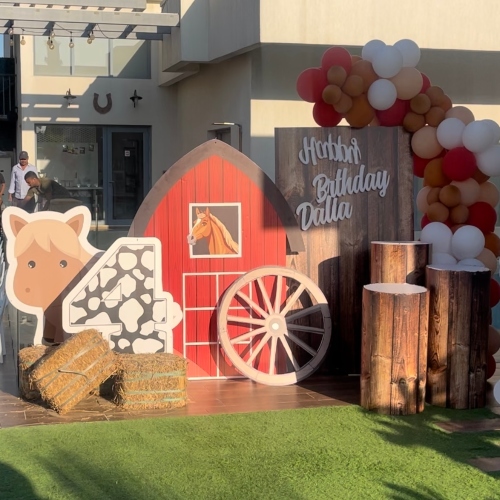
(270, 301)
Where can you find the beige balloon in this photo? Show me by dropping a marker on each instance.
(489, 193)
(422, 203)
(469, 190)
(487, 257)
(424, 143)
(462, 113)
(408, 83)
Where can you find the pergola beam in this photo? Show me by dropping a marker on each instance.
(88, 16)
(138, 5)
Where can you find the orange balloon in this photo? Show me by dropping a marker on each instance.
(375, 122)
(344, 104)
(336, 75)
(355, 59)
(353, 86)
(435, 94)
(425, 144)
(459, 214)
(487, 257)
(489, 193)
(364, 69)
(437, 212)
(469, 190)
(479, 176)
(433, 195)
(445, 103)
(450, 196)
(434, 116)
(462, 113)
(361, 113)
(493, 341)
(413, 122)
(421, 200)
(408, 83)
(433, 174)
(492, 242)
(332, 94)
(420, 104)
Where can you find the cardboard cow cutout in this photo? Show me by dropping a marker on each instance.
(69, 285)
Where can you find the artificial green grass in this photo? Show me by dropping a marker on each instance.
(321, 453)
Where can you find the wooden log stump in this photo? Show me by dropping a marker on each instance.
(394, 348)
(399, 262)
(458, 335)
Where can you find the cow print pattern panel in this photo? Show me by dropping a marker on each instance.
(122, 293)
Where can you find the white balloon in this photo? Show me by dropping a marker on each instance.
(371, 49)
(467, 243)
(443, 259)
(471, 262)
(496, 392)
(477, 136)
(489, 161)
(387, 62)
(382, 94)
(439, 235)
(410, 52)
(495, 130)
(449, 133)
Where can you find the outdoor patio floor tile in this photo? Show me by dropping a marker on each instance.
(490, 424)
(486, 464)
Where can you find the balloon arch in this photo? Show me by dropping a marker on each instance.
(454, 153)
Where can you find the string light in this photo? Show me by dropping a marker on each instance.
(11, 41)
(11, 30)
(90, 39)
(23, 41)
(71, 44)
(52, 34)
(50, 43)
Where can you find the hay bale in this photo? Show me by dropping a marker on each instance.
(151, 381)
(78, 366)
(28, 359)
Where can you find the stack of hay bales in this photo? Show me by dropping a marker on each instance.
(70, 372)
(151, 381)
(28, 358)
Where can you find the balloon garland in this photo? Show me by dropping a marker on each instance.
(454, 153)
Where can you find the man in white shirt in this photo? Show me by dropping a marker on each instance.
(18, 188)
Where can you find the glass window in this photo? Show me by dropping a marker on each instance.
(103, 57)
(55, 62)
(130, 59)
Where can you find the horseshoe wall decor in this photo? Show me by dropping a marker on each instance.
(103, 109)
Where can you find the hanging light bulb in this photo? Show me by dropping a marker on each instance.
(23, 41)
(11, 31)
(52, 34)
(11, 41)
(71, 44)
(89, 39)
(92, 35)
(49, 41)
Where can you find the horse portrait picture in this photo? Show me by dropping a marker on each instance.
(215, 230)
(48, 253)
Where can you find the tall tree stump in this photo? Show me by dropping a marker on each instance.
(458, 335)
(394, 348)
(399, 262)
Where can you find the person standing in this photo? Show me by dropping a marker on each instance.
(18, 188)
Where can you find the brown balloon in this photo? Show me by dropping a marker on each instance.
(493, 341)
(435, 116)
(492, 242)
(434, 175)
(450, 196)
(364, 69)
(437, 212)
(479, 177)
(353, 86)
(413, 122)
(336, 75)
(459, 214)
(455, 228)
(435, 94)
(433, 195)
(420, 104)
(446, 103)
(355, 59)
(332, 94)
(361, 113)
(344, 104)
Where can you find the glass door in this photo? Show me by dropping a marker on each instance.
(126, 173)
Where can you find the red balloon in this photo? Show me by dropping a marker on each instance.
(459, 164)
(394, 116)
(483, 216)
(494, 293)
(426, 83)
(336, 56)
(325, 116)
(491, 367)
(425, 220)
(310, 84)
(419, 165)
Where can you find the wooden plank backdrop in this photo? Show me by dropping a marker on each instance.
(337, 253)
